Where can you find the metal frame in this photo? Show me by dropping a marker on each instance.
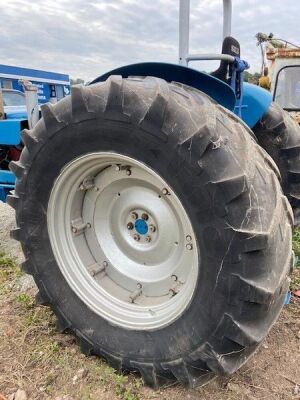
(184, 34)
(276, 86)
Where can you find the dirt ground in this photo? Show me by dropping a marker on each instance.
(48, 365)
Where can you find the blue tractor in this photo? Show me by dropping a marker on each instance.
(15, 113)
(152, 220)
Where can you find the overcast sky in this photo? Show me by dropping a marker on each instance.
(86, 38)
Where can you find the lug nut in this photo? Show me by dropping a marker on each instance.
(128, 172)
(136, 237)
(105, 263)
(152, 228)
(148, 239)
(188, 238)
(145, 216)
(189, 246)
(130, 226)
(134, 215)
(174, 278)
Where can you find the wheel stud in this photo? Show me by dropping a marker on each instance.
(152, 228)
(145, 216)
(136, 237)
(189, 246)
(134, 215)
(148, 239)
(130, 226)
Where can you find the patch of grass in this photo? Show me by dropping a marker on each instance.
(296, 243)
(9, 269)
(295, 278)
(25, 300)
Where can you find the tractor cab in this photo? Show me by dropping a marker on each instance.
(287, 87)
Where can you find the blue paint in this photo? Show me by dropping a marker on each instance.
(44, 89)
(3, 193)
(20, 114)
(237, 81)
(288, 298)
(10, 131)
(7, 177)
(220, 91)
(141, 226)
(28, 72)
(7, 183)
(256, 102)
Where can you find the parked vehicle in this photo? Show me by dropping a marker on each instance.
(151, 219)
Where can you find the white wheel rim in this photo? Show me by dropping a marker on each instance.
(123, 240)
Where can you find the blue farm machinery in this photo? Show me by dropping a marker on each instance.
(155, 216)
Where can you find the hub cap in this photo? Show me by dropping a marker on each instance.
(122, 240)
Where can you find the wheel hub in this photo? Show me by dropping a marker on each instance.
(123, 240)
(141, 226)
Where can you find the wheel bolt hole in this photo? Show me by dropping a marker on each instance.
(134, 215)
(145, 216)
(130, 225)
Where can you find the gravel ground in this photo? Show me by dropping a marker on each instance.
(7, 223)
(11, 246)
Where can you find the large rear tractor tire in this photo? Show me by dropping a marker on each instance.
(155, 227)
(279, 134)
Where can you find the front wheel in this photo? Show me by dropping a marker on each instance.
(155, 228)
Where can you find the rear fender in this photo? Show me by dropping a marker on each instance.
(213, 87)
(256, 102)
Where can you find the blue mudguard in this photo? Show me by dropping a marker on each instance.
(215, 88)
(256, 101)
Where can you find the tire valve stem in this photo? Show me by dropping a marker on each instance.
(134, 295)
(165, 191)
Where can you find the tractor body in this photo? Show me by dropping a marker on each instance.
(15, 119)
(152, 221)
